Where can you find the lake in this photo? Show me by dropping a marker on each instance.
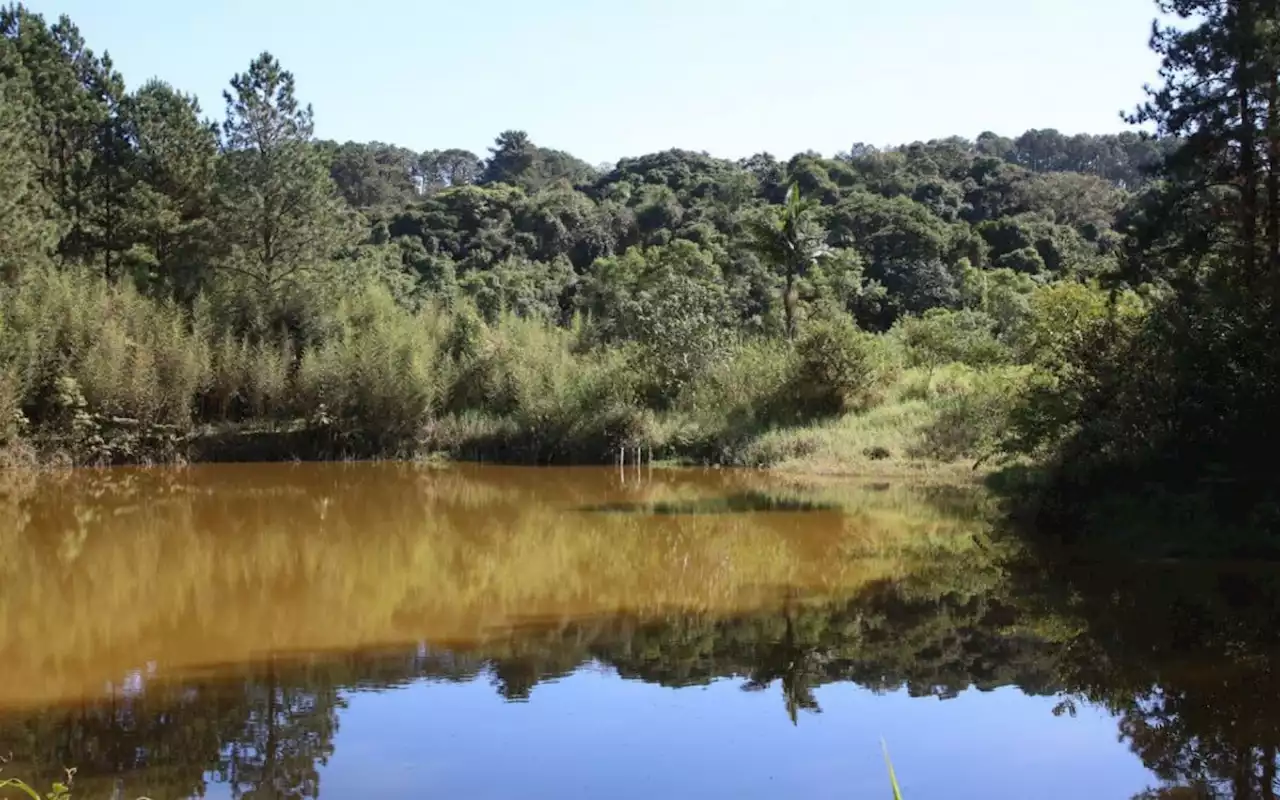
(395, 630)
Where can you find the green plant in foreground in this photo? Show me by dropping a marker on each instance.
(893, 779)
(59, 791)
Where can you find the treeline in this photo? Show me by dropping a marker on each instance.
(164, 272)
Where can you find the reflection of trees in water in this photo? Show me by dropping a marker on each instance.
(265, 735)
(266, 731)
(1186, 659)
(1183, 660)
(286, 737)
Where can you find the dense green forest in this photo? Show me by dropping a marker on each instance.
(181, 287)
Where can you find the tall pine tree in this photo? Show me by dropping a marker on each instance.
(278, 209)
(173, 168)
(1219, 97)
(71, 91)
(27, 233)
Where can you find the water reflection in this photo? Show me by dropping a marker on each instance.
(1187, 659)
(177, 633)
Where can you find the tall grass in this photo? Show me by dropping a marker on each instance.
(130, 356)
(377, 373)
(368, 369)
(893, 777)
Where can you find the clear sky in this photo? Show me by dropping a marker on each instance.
(609, 78)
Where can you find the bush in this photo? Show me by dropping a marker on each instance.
(746, 382)
(670, 304)
(971, 416)
(562, 403)
(838, 369)
(940, 336)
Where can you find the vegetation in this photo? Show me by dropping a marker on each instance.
(181, 288)
(1165, 407)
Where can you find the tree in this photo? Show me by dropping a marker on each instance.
(1212, 91)
(374, 175)
(511, 159)
(71, 90)
(790, 239)
(441, 169)
(27, 231)
(941, 336)
(174, 168)
(277, 207)
(670, 301)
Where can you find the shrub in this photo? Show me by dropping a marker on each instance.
(130, 356)
(971, 416)
(941, 336)
(670, 303)
(746, 382)
(838, 369)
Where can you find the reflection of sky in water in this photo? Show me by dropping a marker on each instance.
(593, 735)
(134, 682)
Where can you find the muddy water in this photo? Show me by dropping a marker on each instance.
(388, 630)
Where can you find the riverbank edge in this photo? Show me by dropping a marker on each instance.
(299, 443)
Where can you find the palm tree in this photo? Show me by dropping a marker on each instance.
(791, 241)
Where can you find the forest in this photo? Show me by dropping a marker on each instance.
(1097, 310)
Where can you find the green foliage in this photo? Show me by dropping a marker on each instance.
(60, 790)
(132, 357)
(173, 271)
(941, 336)
(378, 376)
(278, 211)
(27, 234)
(1070, 326)
(523, 287)
(971, 414)
(174, 167)
(839, 369)
(671, 303)
(791, 241)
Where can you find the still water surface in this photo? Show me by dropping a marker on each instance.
(389, 630)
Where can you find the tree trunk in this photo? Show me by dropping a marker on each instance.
(788, 305)
(1242, 780)
(1245, 86)
(1273, 173)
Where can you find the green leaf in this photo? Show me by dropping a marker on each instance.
(893, 779)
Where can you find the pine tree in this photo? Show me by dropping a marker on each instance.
(1219, 98)
(511, 159)
(173, 169)
(109, 215)
(278, 209)
(27, 234)
(68, 86)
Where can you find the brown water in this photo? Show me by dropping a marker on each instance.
(391, 630)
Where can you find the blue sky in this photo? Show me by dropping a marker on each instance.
(610, 78)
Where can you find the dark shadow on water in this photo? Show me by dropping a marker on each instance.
(738, 503)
